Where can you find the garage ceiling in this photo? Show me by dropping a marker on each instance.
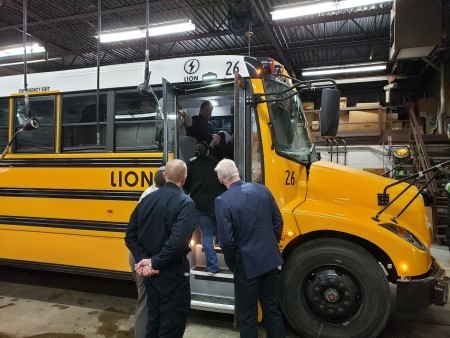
(68, 30)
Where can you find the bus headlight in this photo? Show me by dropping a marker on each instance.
(405, 234)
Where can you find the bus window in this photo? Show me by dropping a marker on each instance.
(42, 139)
(137, 122)
(4, 110)
(79, 126)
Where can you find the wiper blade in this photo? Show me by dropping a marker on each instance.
(383, 199)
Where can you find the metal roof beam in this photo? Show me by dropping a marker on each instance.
(333, 18)
(106, 11)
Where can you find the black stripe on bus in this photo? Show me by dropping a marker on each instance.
(66, 269)
(72, 194)
(78, 162)
(63, 223)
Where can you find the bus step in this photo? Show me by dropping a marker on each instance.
(212, 303)
(200, 271)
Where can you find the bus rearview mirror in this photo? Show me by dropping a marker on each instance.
(329, 114)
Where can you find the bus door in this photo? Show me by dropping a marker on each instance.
(170, 116)
(242, 128)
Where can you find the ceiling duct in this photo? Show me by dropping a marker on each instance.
(416, 28)
(239, 22)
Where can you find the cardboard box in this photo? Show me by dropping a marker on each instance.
(368, 105)
(366, 120)
(315, 126)
(343, 121)
(308, 106)
(397, 125)
(429, 106)
(311, 116)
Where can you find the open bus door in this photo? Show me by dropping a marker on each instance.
(170, 117)
(242, 129)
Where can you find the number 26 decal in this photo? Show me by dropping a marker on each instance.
(231, 70)
(290, 180)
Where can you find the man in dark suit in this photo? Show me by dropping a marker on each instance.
(201, 127)
(250, 226)
(158, 236)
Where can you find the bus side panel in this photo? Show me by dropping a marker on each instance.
(90, 249)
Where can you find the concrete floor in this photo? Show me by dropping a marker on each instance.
(54, 308)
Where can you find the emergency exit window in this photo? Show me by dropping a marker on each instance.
(4, 117)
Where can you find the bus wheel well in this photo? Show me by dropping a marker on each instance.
(373, 249)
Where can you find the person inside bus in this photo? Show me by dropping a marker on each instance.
(184, 121)
(141, 313)
(158, 235)
(203, 187)
(202, 129)
(250, 227)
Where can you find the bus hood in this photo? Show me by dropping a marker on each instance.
(352, 195)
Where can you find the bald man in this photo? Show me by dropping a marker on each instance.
(158, 236)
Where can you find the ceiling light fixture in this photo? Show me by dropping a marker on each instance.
(18, 50)
(156, 30)
(323, 7)
(30, 61)
(368, 67)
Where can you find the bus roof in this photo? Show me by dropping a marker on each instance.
(179, 70)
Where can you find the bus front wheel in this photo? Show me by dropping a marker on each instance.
(332, 287)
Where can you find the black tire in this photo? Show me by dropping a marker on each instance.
(334, 288)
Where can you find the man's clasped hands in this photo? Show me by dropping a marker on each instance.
(144, 268)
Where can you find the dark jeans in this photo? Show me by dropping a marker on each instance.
(208, 228)
(248, 291)
(169, 300)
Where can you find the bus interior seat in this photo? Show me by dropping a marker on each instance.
(187, 147)
(135, 135)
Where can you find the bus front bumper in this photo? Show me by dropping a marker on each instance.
(418, 294)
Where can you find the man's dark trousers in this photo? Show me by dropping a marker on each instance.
(248, 291)
(169, 300)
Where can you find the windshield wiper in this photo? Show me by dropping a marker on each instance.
(310, 151)
(383, 199)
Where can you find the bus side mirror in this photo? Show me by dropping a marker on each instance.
(329, 114)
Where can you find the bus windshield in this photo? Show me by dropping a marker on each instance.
(291, 137)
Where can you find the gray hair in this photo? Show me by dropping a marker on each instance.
(226, 169)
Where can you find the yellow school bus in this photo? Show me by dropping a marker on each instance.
(66, 198)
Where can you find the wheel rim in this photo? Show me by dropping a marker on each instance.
(332, 295)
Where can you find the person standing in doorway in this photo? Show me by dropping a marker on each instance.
(201, 127)
(141, 313)
(158, 236)
(250, 226)
(203, 187)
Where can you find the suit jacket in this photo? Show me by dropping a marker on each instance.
(161, 226)
(250, 226)
(202, 183)
(200, 129)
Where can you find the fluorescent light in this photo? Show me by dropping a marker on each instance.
(171, 28)
(344, 69)
(323, 7)
(152, 31)
(122, 36)
(214, 102)
(18, 50)
(31, 61)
